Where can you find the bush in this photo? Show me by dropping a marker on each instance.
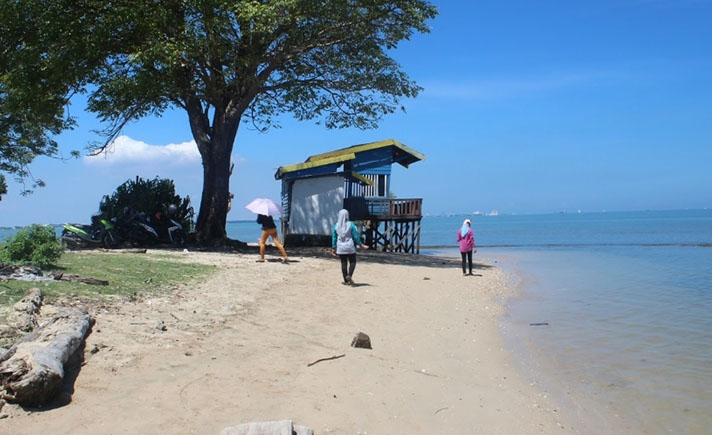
(148, 196)
(37, 245)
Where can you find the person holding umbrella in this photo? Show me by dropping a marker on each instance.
(265, 208)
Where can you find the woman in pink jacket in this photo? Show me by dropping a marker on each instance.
(466, 238)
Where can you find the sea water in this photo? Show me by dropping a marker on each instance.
(613, 315)
(624, 334)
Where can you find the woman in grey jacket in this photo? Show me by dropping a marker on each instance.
(344, 240)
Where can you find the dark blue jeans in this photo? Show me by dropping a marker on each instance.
(468, 256)
(351, 259)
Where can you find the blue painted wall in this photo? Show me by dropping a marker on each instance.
(376, 161)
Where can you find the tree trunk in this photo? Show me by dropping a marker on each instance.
(24, 314)
(32, 371)
(216, 156)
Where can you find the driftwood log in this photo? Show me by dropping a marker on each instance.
(60, 276)
(283, 427)
(32, 371)
(126, 251)
(23, 316)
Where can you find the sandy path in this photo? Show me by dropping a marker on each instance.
(236, 349)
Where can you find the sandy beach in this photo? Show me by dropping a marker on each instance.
(236, 349)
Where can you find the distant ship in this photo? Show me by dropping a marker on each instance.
(477, 213)
(493, 213)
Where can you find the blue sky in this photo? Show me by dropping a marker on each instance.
(528, 107)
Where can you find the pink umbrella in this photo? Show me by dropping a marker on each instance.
(264, 206)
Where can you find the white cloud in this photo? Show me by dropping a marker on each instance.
(125, 150)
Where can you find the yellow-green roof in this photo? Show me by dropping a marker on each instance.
(306, 165)
(366, 147)
(408, 156)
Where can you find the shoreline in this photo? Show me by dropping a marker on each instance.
(588, 412)
(522, 350)
(237, 346)
(527, 357)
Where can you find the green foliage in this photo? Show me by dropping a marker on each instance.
(219, 60)
(148, 196)
(223, 62)
(3, 186)
(39, 72)
(216, 59)
(37, 245)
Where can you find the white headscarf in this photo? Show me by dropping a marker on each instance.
(465, 228)
(343, 226)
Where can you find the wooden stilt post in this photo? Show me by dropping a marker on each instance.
(418, 249)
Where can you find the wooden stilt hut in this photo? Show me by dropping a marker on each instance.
(357, 178)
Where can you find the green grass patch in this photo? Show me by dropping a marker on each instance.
(128, 275)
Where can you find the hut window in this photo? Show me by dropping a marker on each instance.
(381, 184)
(379, 188)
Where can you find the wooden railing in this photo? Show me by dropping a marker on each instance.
(361, 208)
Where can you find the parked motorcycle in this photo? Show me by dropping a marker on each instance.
(131, 226)
(169, 229)
(135, 227)
(101, 232)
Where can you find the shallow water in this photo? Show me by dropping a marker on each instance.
(624, 303)
(628, 334)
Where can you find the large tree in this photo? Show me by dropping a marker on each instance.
(43, 63)
(231, 61)
(25, 125)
